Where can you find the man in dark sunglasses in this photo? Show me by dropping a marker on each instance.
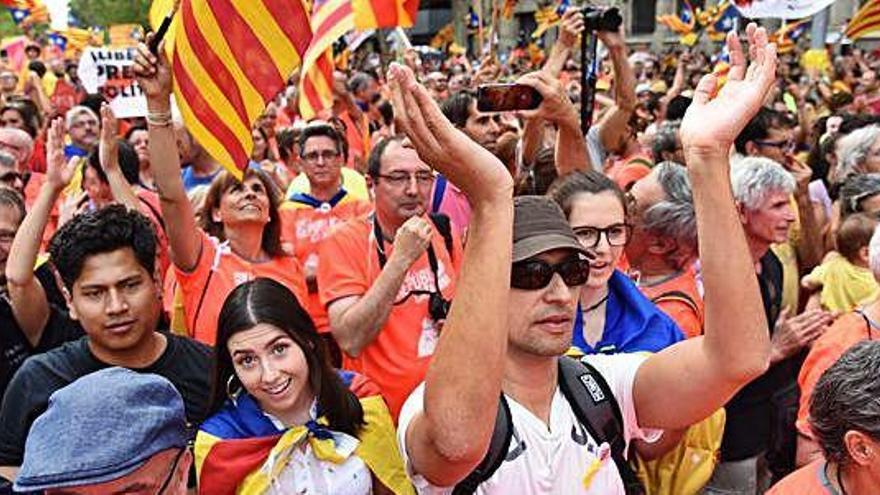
(506, 339)
(113, 431)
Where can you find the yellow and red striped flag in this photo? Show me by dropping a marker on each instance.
(330, 20)
(231, 57)
(372, 14)
(866, 20)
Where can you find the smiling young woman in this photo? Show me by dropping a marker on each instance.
(276, 397)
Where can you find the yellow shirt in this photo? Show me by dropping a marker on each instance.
(844, 285)
(352, 181)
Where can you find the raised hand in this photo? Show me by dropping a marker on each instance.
(467, 164)
(713, 122)
(571, 27)
(59, 170)
(153, 72)
(555, 104)
(108, 150)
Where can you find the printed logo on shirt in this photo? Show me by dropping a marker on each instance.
(315, 230)
(421, 281)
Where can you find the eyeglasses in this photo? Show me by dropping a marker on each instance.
(787, 145)
(536, 274)
(171, 472)
(617, 234)
(398, 179)
(6, 237)
(315, 156)
(84, 123)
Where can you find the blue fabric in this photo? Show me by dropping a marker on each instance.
(71, 151)
(632, 322)
(245, 419)
(308, 199)
(190, 180)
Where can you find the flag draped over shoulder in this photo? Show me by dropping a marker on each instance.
(866, 20)
(330, 20)
(230, 58)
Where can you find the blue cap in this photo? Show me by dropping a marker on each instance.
(100, 428)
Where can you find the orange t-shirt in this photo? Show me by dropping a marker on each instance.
(302, 230)
(218, 272)
(397, 359)
(847, 331)
(680, 299)
(808, 480)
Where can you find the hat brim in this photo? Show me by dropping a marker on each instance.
(531, 246)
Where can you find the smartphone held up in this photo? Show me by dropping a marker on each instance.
(507, 97)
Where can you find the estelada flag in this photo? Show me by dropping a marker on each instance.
(371, 14)
(230, 58)
(866, 20)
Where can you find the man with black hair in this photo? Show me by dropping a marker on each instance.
(393, 273)
(106, 260)
(308, 217)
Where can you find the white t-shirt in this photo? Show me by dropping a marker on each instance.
(555, 460)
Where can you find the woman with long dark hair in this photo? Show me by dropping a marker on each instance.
(281, 419)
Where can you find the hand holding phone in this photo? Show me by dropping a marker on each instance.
(507, 97)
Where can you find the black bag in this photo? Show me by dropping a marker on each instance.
(594, 406)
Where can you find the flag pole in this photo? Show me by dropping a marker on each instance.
(478, 7)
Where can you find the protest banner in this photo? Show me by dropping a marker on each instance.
(109, 71)
(780, 9)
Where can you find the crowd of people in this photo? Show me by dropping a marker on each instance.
(407, 295)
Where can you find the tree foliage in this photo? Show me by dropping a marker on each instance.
(108, 12)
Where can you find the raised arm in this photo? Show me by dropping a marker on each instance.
(450, 437)
(26, 295)
(108, 152)
(613, 126)
(570, 27)
(688, 381)
(154, 77)
(571, 148)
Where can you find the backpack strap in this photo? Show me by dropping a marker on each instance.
(444, 226)
(439, 192)
(498, 447)
(677, 295)
(597, 410)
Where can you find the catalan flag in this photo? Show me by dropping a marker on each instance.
(372, 14)
(866, 20)
(330, 20)
(28, 12)
(126, 34)
(786, 37)
(231, 57)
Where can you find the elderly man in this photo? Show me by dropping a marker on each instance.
(113, 431)
(846, 423)
(663, 247)
(83, 127)
(763, 189)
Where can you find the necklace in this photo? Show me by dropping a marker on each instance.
(595, 306)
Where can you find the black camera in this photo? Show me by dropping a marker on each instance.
(601, 18)
(438, 307)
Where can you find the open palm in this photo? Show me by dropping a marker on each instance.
(715, 122)
(59, 170)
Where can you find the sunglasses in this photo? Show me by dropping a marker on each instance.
(536, 274)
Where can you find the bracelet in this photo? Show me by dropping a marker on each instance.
(159, 119)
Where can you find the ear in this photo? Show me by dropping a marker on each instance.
(183, 465)
(751, 148)
(743, 214)
(215, 215)
(865, 255)
(861, 448)
(71, 309)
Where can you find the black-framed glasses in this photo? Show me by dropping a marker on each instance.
(326, 155)
(171, 472)
(399, 179)
(617, 234)
(534, 274)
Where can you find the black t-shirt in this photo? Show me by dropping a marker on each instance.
(747, 431)
(185, 363)
(15, 347)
